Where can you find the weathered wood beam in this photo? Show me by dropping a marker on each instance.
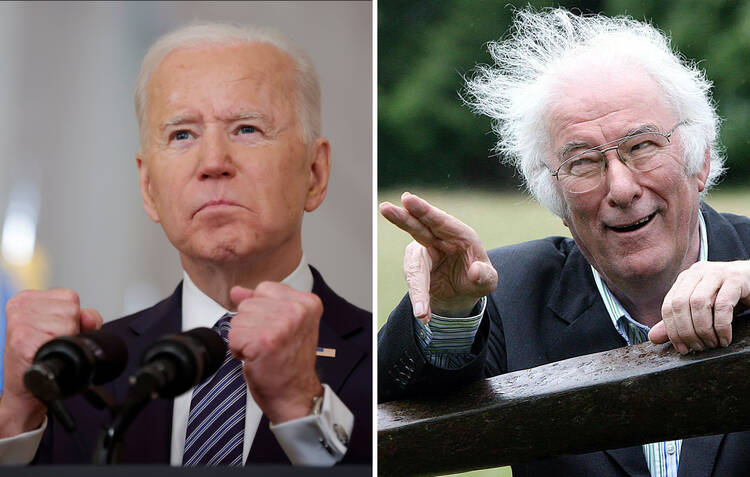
(619, 398)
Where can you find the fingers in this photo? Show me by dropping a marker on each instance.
(484, 276)
(698, 310)
(658, 333)
(237, 294)
(441, 224)
(407, 222)
(429, 225)
(417, 266)
(91, 320)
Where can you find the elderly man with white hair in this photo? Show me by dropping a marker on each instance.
(616, 134)
(231, 158)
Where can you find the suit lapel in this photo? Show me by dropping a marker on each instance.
(577, 303)
(631, 459)
(150, 435)
(335, 324)
(698, 455)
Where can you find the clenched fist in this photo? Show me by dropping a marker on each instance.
(35, 317)
(275, 334)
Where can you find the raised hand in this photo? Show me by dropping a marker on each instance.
(34, 317)
(446, 267)
(275, 334)
(698, 310)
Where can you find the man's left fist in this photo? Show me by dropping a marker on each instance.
(275, 334)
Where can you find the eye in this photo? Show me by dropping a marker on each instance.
(642, 147)
(180, 135)
(245, 129)
(583, 165)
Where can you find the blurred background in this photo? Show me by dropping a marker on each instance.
(432, 145)
(69, 195)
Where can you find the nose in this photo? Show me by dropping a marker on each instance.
(623, 186)
(216, 156)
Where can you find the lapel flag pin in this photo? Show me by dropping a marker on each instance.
(326, 352)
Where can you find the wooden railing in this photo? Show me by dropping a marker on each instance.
(624, 397)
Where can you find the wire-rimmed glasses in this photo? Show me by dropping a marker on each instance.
(584, 171)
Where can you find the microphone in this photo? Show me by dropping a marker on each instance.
(169, 367)
(68, 365)
(178, 362)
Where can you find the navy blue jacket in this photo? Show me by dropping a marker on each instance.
(343, 326)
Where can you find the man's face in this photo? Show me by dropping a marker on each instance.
(224, 168)
(599, 108)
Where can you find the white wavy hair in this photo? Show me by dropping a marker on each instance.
(307, 91)
(542, 47)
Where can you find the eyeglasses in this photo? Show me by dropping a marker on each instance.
(583, 172)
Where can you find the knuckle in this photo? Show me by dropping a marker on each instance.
(264, 287)
(70, 295)
(698, 302)
(679, 302)
(723, 307)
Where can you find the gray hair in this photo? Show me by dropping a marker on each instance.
(307, 91)
(543, 46)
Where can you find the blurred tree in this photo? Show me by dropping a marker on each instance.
(425, 134)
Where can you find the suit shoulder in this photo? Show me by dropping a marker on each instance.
(541, 250)
(146, 315)
(739, 222)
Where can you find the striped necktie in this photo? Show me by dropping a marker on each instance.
(216, 423)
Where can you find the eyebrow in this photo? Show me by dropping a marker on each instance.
(574, 145)
(181, 119)
(193, 118)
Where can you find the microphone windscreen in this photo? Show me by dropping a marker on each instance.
(215, 347)
(110, 352)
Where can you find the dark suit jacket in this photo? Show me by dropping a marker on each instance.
(546, 308)
(343, 326)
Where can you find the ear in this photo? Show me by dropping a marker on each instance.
(702, 175)
(320, 167)
(145, 182)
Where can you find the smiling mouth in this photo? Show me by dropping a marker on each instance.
(635, 225)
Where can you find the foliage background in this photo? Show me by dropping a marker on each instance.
(427, 137)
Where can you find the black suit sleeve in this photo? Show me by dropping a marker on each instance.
(404, 370)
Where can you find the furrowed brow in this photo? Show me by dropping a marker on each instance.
(576, 145)
(177, 120)
(573, 146)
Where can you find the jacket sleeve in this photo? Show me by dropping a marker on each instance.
(404, 370)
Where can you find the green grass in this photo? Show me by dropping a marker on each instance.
(499, 219)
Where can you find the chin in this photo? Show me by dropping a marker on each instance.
(640, 267)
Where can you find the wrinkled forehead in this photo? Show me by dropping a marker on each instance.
(218, 77)
(595, 105)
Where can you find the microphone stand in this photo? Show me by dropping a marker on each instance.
(143, 388)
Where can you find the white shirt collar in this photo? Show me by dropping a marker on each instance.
(198, 309)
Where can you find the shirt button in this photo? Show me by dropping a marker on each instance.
(422, 334)
(670, 448)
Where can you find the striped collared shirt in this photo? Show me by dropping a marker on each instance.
(662, 458)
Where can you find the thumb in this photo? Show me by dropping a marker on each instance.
(658, 333)
(91, 320)
(237, 294)
(484, 277)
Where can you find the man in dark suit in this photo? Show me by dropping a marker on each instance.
(616, 134)
(231, 158)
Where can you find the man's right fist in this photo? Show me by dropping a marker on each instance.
(34, 317)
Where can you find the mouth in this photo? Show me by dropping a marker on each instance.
(634, 225)
(215, 203)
